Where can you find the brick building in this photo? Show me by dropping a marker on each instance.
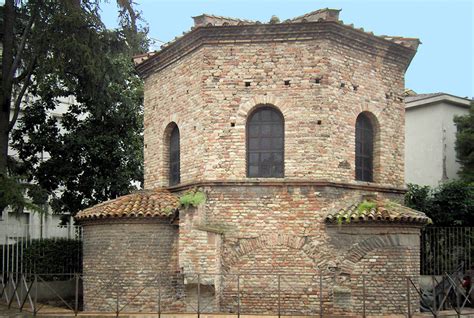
(294, 133)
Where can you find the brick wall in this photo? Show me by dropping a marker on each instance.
(386, 271)
(123, 258)
(269, 230)
(205, 94)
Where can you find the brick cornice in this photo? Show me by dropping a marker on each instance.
(286, 183)
(129, 220)
(261, 33)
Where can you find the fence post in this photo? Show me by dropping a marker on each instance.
(320, 294)
(117, 305)
(35, 301)
(238, 295)
(408, 297)
(435, 306)
(76, 295)
(279, 305)
(199, 295)
(363, 296)
(159, 295)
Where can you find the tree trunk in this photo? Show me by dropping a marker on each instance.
(7, 81)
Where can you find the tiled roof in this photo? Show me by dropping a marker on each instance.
(157, 203)
(326, 14)
(137, 59)
(314, 16)
(225, 19)
(377, 210)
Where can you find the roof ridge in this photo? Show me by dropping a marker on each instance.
(313, 12)
(224, 17)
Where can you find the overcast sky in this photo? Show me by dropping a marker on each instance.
(444, 62)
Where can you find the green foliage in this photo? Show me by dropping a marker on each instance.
(340, 218)
(450, 204)
(365, 206)
(11, 193)
(17, 194)
(465, 144)
(418, 197)
(194, 199)
(54, 256)
(95, 149)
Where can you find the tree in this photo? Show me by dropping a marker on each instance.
(465, 144)
(95, 150)
(450, 204)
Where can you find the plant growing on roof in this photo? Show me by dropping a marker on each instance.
(362, 207)
(192, 198)
(365, 206)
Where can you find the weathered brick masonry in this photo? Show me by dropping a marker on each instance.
(127, 256)
(320, 74)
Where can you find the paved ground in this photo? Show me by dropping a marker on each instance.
(5, 312)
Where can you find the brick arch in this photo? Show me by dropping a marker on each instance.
(177, 117)
(359, 250)
(248, 246)
(366, 107)
(283, 105)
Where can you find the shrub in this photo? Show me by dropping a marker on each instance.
(450, 204)
(54, 256)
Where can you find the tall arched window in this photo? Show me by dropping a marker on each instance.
(174, 157)
(265, 143)
(364, 144)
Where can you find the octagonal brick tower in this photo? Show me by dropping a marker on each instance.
(295, 133)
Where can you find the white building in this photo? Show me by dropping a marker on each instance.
(430, 135)
(30, 224)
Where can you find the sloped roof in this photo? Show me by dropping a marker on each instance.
(139, 58)
(378, 210)
(421, 96)
(156, 203)
(205, 28)
(413, 100)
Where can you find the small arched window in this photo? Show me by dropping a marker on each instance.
(174, 157)
(364, 144)
(265, 143)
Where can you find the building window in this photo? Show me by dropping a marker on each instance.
(364, 143)
(174, 157)
(265, 143)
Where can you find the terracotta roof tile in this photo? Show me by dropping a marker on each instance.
(146, 203)
(378, 210)
(205, 20)
(139, 58)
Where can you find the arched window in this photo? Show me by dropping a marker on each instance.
(265, 143)
(364, 144)
(174, 157)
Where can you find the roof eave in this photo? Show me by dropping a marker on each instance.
(455, 100)
(145, 68)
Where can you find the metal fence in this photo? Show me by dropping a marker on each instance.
(235, 294)
(444, 249)
(20, 253)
